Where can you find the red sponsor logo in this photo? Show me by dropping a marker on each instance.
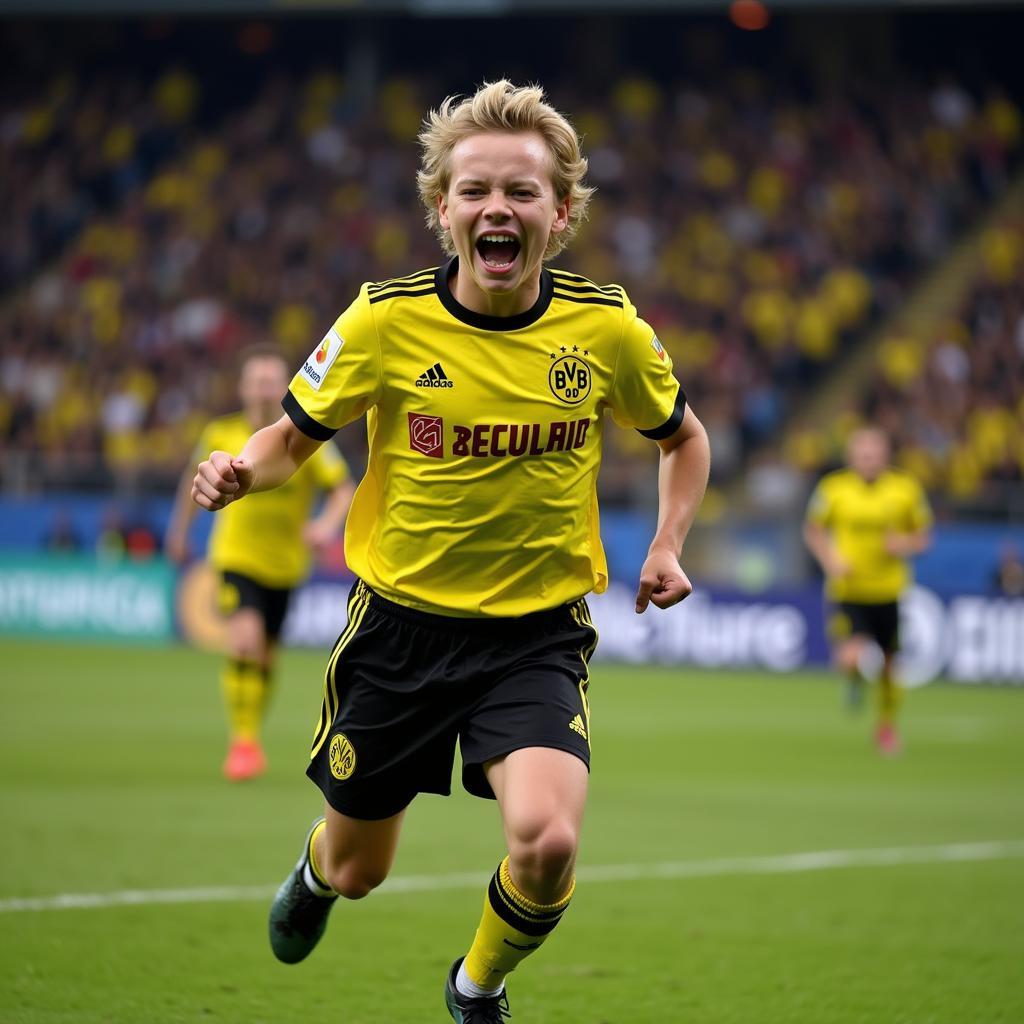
(426, 435)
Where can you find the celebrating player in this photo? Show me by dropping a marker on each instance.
(261, 550)
(474, 533)
(863, 524)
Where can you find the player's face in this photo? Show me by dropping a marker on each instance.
(262, 386)
(868, 454)
(501, 209)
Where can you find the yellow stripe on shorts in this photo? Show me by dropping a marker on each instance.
(581, 613)
(357, 606)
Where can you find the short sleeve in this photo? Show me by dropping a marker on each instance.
(644, 393)
(819, 508)
(341, 378)
(329, 466)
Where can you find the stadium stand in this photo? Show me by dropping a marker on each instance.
(953, 399)
(761, 227)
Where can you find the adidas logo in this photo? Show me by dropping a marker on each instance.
(435, 377)
(577, 726)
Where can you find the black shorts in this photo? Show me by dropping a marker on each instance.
(402, 686)
(238, 591)
(881, 622)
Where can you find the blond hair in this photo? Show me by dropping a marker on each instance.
(502, 107)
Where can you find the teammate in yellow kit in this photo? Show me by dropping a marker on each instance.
(863, 525)
(261, 550)
(474, 532)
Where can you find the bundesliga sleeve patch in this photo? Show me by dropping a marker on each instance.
(315, 368)
(657, 346)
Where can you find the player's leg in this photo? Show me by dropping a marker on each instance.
(341, 856)
(542, 793)
(848, 647)
(244, 683)
(890, 693)
(254, 623)
(381, 738)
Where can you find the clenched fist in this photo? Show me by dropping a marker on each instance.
(222, 479)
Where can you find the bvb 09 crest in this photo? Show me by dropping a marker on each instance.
(342, 756)
(570, 379)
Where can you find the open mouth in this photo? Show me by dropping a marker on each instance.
(498, 252)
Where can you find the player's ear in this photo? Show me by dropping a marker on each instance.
(561, 220)
(442, 211)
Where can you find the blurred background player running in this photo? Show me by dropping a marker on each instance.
(262, 550)
(863, 525)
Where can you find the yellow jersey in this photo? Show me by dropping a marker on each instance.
(485, 433)
(261, 537)
(859, 514)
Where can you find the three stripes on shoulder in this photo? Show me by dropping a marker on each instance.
(568, 286)
(580, 289)
(420, 283)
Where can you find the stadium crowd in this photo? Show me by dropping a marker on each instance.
(759, 228)
(954, 401)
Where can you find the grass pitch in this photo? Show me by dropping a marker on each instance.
(109, 781)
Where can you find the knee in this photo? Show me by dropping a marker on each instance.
(544, 856)
(246, 649)
(246, 639)
(354, 881)
(847, 658)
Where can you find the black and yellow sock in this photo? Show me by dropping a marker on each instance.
(312, 874)
(246, 687)
(511, 928)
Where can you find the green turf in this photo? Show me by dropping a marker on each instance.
(109, 780)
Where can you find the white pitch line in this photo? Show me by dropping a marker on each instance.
(775, 864)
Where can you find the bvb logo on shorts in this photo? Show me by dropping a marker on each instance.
(569, 379)
(342, 756)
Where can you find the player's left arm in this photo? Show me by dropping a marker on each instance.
(915, 535)
(906, 545)
(326, 527)
(682, 479)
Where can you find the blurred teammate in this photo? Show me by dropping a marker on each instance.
(261, 550)
(475, 530)
(863, 525)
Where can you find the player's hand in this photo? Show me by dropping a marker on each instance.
(897, 544)
(837, 567)
(319, 536)
(222, 479)
(662, 582)
(176, 549)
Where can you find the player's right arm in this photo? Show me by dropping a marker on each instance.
(184, 509)
(817, 536)
(820, 545)
(339, 381)
(182, 513)
(268, 459)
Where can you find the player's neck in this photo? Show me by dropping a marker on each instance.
(478, 300)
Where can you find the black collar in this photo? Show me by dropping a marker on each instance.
(484, 320)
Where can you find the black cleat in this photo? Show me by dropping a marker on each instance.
(298, 917)
(469, 1010)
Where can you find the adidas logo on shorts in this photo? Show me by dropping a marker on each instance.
(577, 726)
(435, 377)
